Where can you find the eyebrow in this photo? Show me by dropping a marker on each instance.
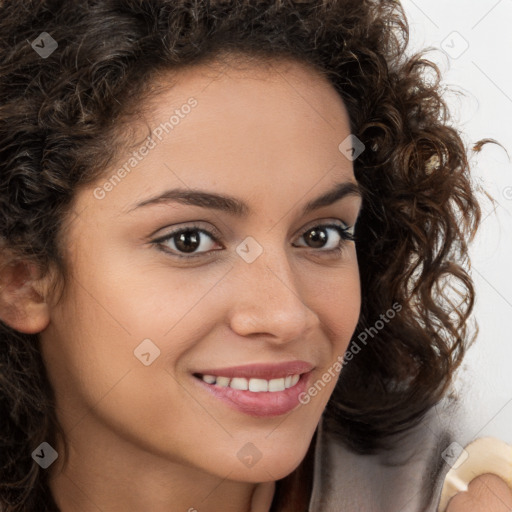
(234, 206)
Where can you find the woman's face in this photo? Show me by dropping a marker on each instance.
(251, 296)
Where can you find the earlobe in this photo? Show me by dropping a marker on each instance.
(23, 305)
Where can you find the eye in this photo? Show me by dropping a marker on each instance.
(187, 240)
(194, 241)
(329, 237)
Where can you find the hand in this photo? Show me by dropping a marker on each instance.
(486, 493)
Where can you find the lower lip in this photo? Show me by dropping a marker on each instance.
(263, 404)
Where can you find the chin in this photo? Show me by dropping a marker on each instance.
(274, 466)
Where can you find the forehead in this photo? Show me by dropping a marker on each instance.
(271, 108)
(235, 84)
(244, 129)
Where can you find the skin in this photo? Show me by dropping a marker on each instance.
(148, 437)
(485, 493)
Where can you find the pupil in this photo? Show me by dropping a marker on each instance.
(189, 241)
(317, 237)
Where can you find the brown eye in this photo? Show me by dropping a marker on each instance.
(328, 236)
(187, 242)
(194, 241)
(316, 237)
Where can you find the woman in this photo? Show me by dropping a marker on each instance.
(190, 318)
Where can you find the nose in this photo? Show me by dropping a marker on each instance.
(268, 300)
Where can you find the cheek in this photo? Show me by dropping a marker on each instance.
(86, 348)
(151, 300)
(338, 304)
(99, 380)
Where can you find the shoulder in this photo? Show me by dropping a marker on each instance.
(408, 478)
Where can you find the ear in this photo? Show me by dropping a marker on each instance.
(23, 305)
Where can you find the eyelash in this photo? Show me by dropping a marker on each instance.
(345, 232)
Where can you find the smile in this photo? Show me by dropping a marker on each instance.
(262, 390)
(256, 385)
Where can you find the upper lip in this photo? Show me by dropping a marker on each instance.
(260, 370)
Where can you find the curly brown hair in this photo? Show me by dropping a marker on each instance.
(61, 125)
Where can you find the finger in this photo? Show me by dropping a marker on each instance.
(486, 493)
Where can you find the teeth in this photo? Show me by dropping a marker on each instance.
(276, 385)
(239, 383)
(254, 385)
(258, 385)
(223, 382)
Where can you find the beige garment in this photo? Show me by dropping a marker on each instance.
(406, 479)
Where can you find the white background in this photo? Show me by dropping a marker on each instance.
(483, 74)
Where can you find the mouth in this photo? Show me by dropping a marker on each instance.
(255, 385)
(257, 390)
